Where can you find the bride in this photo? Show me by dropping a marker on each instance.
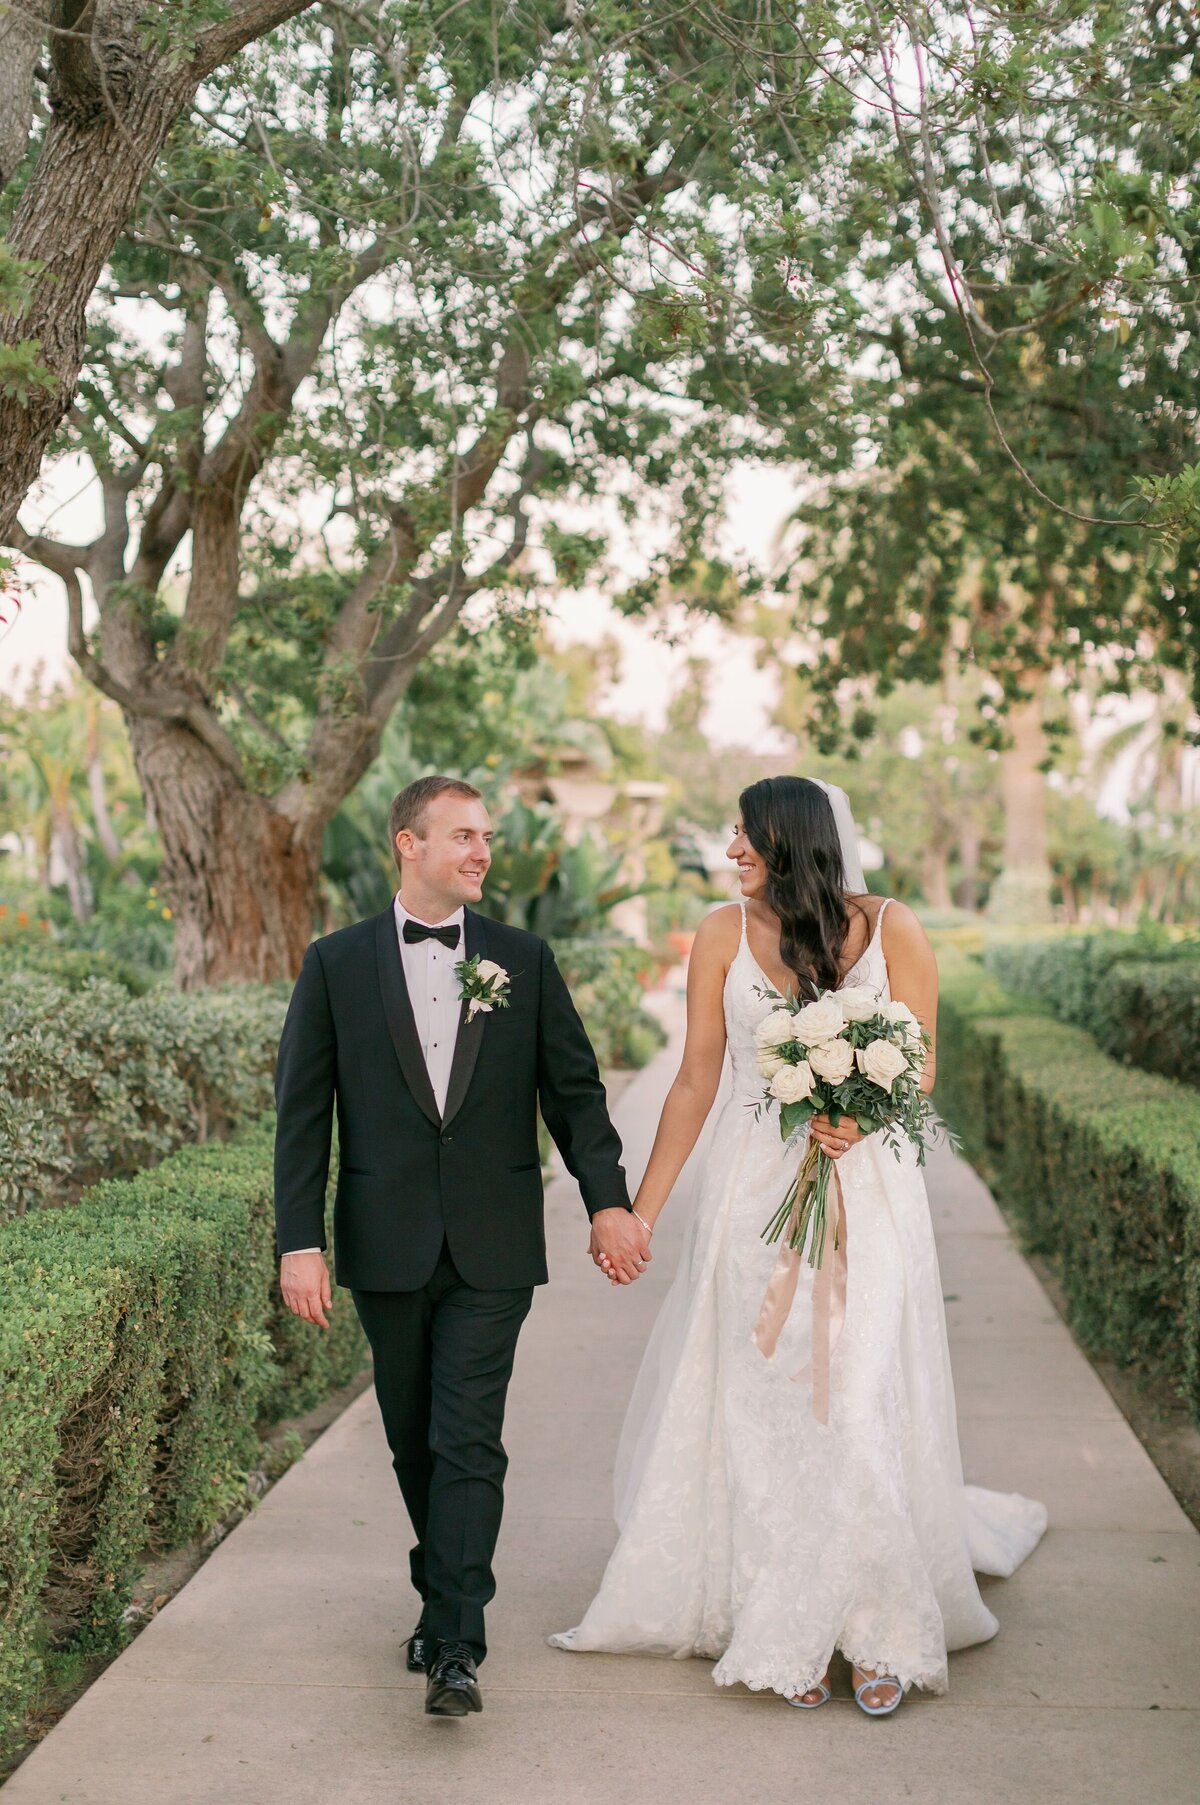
(752, 1533)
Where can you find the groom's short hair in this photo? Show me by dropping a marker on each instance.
(409, 807)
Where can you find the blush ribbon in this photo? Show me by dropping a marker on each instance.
(828, 1300)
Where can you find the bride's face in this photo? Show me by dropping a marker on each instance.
(751, 869)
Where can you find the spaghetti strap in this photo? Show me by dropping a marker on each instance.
(741, 903)
(879, 919)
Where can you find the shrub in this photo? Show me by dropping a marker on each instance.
(142, 1343)
(1152, 1018)
(1138, 994)
(1098, 1164)
(95, 1082)
(606, 978)
(69, 966)
(131, 924)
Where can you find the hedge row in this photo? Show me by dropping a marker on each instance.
(1139, 995)
(95, 1082)
(1098, 1163)
(142, 1346)
(68, 965)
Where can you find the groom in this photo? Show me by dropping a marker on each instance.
(438, 1222)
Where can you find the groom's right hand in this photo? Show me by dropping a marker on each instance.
(304, 1282)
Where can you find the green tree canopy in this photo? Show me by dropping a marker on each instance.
(407, 297)
(419, 302)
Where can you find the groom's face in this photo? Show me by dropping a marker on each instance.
(449, 859)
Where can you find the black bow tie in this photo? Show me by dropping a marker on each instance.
(417, 930)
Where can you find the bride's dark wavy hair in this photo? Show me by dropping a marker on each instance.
(789, 822)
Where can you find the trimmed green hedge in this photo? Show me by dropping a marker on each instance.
(142, 1345)
(1138, 994)
(606, 979)
(95, 1082)
(1098, 1164)
(69, 966)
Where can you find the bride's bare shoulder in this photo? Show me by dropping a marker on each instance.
(901, 923)
(718, 935)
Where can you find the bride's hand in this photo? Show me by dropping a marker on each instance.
(839, 1140)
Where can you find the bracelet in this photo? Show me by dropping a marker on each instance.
(649, 1230)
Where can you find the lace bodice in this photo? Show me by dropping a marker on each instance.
(745, 1006)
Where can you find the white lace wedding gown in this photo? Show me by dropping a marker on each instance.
(751, 1533)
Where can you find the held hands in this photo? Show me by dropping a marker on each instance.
(304, 1281)
(839, 1140)
(620, 1245)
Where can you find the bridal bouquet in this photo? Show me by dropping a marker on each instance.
(845, 1053)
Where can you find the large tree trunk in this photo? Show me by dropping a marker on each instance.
(1021, 893)
(241, 882)
(114, 103)
(22, 29)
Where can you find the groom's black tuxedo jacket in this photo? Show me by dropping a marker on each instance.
(409, 1175)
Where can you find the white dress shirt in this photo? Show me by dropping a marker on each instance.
(433, 993)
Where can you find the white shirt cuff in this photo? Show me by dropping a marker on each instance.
(292, 1250)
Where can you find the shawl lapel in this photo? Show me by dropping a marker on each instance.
(397, 1007)
(470, 1034)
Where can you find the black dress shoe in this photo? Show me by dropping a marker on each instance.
(453, 1686)
(417, 1648)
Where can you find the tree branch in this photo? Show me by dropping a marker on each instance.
(106, 411)
(60, 559)
(66, 562)
(248, 20)
(407, 641)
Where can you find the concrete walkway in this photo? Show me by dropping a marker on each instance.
(275, 1674)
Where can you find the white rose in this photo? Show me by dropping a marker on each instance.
(832, 1060)
(770, 1063)
(818, 1021)
(903, 1017)
(882, 1062)
(859, 1003)
(487, 968)
(776, 1029)
(793, 1084)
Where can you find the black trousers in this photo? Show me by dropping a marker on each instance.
(443, 1358)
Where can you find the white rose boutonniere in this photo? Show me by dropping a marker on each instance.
(484, 986)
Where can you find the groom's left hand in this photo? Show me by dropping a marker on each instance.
(620, 1246)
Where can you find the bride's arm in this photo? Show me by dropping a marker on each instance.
(913, 975)
(691, 1096)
